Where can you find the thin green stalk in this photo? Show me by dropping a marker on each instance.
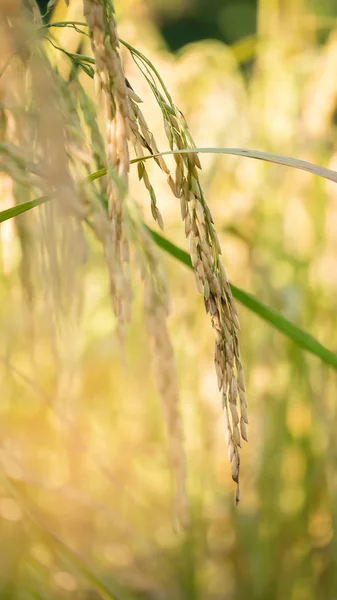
(17, 210)
(144, 59)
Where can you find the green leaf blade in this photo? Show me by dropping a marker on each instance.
(278, 321)
(19, 209)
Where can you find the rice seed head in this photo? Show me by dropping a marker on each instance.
(111, 81)
(212, 281)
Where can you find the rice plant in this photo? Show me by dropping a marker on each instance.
(74, 140)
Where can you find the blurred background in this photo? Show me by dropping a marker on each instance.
(85, 487)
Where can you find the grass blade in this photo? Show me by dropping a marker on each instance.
(297, 335)
(279, 159)
(17, 210)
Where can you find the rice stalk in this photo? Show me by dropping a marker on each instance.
(210, 275)
(110, 79)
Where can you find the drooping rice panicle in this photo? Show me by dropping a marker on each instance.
(211, 277)
(110, 79)
(212, 282)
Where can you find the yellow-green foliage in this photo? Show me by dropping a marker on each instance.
(85, 486)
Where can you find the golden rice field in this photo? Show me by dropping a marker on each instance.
(89, 504)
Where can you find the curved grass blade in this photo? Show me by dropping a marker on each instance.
(17, 210)
(297, 335)
(279, 159)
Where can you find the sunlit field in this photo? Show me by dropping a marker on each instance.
(90, 505)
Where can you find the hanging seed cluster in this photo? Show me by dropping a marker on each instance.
(205, 251)
(212, 283)
(110, 79)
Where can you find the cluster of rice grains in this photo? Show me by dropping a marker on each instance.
(110, 79)
(212, 282)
